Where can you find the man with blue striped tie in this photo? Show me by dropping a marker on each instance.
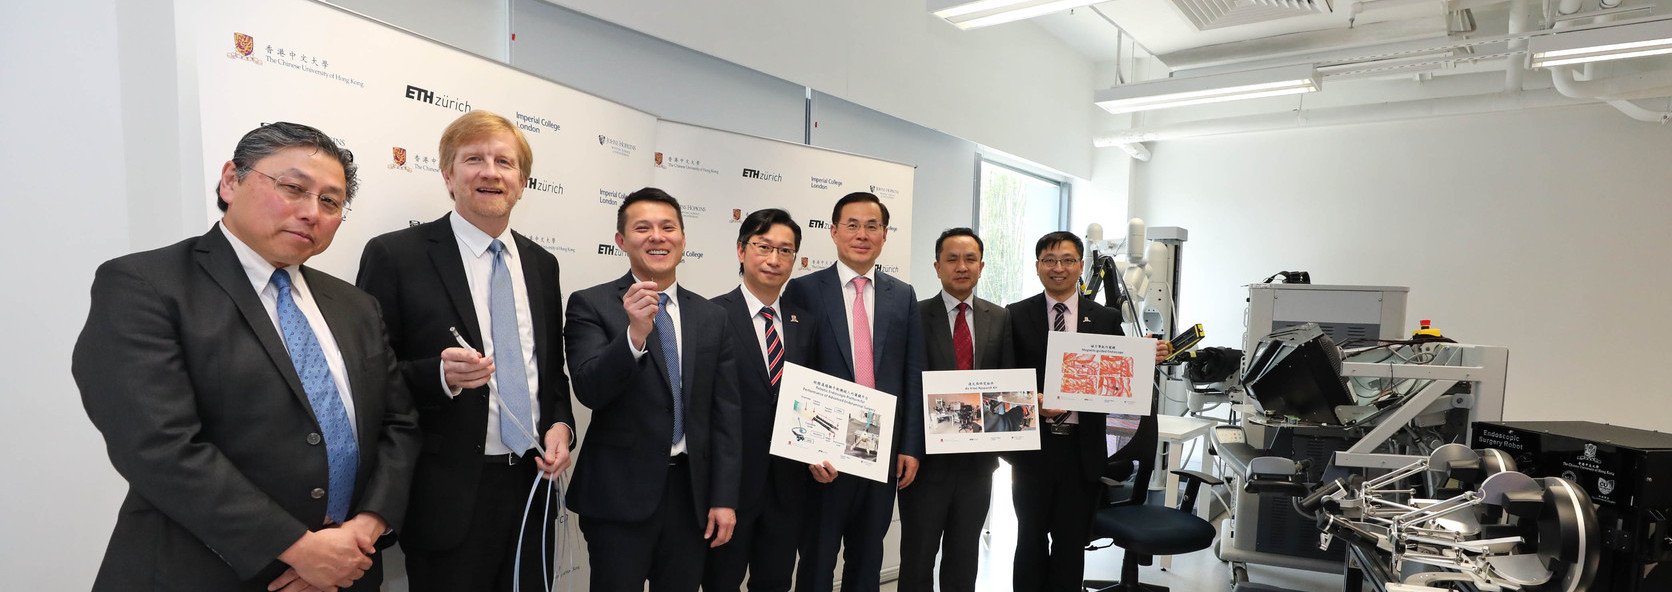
(251, 402)
(481, 407)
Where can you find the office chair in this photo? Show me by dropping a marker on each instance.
(1141, 529)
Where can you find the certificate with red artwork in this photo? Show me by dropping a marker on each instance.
(1099, 373)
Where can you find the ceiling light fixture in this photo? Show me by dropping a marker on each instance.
(1612, 42)
(966, 14)
(1198, 90)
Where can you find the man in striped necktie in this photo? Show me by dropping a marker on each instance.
(767, 333)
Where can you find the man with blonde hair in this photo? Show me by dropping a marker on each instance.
(487, 409)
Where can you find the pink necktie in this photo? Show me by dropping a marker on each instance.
(862, 371)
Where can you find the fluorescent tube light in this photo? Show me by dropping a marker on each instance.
(985, 13)
(1612, 42)
(1217, 88)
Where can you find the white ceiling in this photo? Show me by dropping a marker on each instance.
(1161, 28)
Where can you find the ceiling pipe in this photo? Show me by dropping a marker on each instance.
(1339, 116)
(1633, 111)
(1514, 68)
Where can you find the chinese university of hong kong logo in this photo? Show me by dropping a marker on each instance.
(400, 156)
(736, 214)
(804, 263)
(245, 44)
(658, 159)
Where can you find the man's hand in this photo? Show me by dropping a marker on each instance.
(720, 524)
(330, 558)
(463, 368)
(641, 302)
(557, 451)
(290, 582)
(1163, 348)
(906, 469)
(823, 472)
(367, 528)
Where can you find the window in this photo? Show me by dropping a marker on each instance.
(1016, 209)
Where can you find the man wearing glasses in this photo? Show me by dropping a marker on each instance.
(489, 410)
(768, 333)
(870, 335)
(252, 403)
(1055, 488)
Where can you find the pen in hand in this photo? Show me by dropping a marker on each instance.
(502, 408)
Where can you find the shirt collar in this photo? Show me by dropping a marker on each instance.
(847, 273)
(259, 270)
(1073, 303)
(755, 305)
(478, 241)
(952, 303)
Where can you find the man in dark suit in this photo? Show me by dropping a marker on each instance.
(766, 332)
(252, 404)
(654, 362)
(945, 509)
(1055, 488)
(870, 335)
(481, 407)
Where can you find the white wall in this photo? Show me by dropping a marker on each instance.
(66, 211)
(1013, 87)
(1544, 231)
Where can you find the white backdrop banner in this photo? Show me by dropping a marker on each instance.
(387, 94)
(720, 177)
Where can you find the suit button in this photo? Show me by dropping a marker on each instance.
(313, 439)
(317, 493)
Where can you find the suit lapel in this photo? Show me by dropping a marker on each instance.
(987, 321)
(797, 345)
(743, 325)
(216, 257)
(884, 317)
(937, 340)
(449, 266)
(689, 322)
(652, 342)
(536, 294)
(831, 292)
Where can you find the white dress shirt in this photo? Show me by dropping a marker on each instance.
(478, 269)
(759, 322)
(673, 314)
(1072, 320)
(952, 318)
(260, 273)
(846, 274)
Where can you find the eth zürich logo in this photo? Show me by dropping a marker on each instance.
(762, 175)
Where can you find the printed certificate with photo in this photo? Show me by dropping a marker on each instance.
(1099, 373)
(821, 417)
(980, 411)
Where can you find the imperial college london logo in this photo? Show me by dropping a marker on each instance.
(400, 156)
(244, 43)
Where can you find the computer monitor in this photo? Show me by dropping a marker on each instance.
(1295, 373)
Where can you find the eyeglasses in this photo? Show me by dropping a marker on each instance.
(854, 227)
(766, 250)
(1064, 262)
(329, 205)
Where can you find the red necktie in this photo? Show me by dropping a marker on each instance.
(962, 345)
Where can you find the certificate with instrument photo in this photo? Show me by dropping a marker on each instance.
(1099, 373)
(980, 411)
(821, 417)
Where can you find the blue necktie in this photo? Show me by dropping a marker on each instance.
(342, 454)
(670, 357)
(509, 374)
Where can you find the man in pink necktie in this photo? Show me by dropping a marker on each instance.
(871, 335)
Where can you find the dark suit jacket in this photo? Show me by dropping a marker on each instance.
(788, 478)
(896, 345)
(419, 278)
(202, 412)
(1031, 327)
(620, 474)
(993, 349)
